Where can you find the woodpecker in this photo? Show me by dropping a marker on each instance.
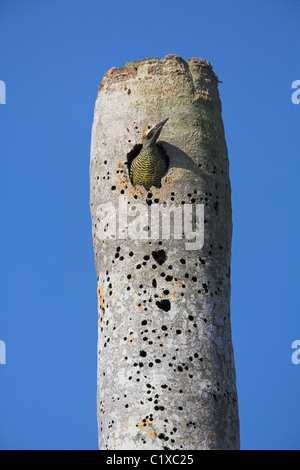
(148, 168)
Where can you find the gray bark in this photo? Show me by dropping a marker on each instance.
(166, 375)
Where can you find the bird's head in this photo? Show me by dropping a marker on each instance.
(151, 132)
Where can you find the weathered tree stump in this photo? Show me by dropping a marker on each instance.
(166, 375)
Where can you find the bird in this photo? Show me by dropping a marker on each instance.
(149, 166)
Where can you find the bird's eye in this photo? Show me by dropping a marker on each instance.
(149, 127)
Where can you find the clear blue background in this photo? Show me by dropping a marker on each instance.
(53, 56)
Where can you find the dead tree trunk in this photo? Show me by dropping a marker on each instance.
(166, 375)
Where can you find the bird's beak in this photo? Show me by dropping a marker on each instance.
(160, 124)
(154, 133)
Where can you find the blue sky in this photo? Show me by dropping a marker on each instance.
(53, 55)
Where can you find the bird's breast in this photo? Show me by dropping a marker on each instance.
(147, 169)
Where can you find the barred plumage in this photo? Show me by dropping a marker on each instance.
(149, 167)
